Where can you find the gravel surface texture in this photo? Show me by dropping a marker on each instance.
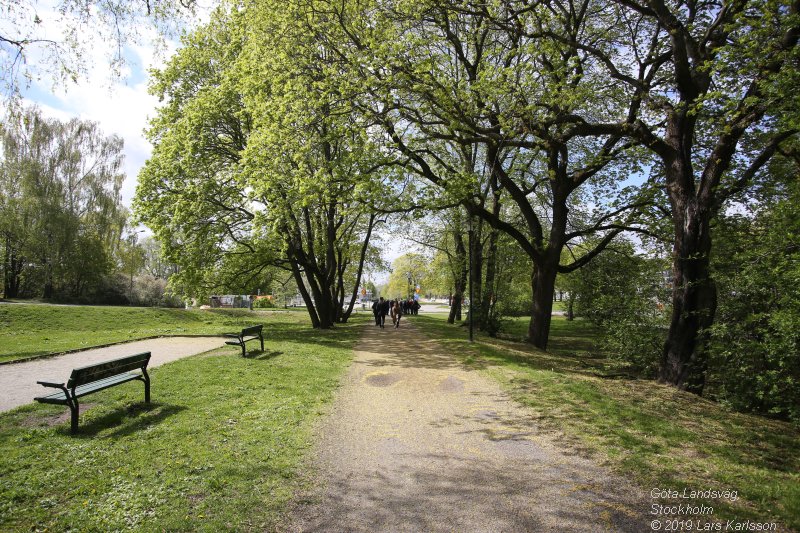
(18, 380)
(417, 442)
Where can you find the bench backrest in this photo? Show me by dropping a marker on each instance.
(253, 330)
(90, 373)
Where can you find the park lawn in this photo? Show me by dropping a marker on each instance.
(654, 434)
(30, 330)
(221, 447)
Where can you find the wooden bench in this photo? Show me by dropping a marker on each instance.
(93, 378)
(247, 334)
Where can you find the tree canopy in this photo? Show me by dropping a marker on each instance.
(290, 128)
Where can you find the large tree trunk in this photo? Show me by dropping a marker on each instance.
(491, 268)
(694, 301)
(361, 259)
(460, 277)
(312, 310)
(10, 272)
(543, 282)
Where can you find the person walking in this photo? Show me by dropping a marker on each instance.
(387, 307)
(377, 306)
(396, 313)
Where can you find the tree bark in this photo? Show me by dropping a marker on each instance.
(543, 281)
(694, 300)
(459, 277)
(491, 268)
(361, 259)
(298, 277)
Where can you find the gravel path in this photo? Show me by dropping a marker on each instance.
(416, 442)
(18, 381)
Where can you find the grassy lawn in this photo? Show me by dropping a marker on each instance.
(28, 330)
(221, 447)
(658, 436)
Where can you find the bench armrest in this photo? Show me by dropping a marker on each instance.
(49, 384)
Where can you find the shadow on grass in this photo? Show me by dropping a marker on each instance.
(341, 335)
(125, 420)
(663, 436)
(572, 349)
(258, 355)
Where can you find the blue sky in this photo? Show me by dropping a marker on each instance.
(121, 107)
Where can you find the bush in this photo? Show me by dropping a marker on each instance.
(624, 294)
(754, 364)
(263, 303)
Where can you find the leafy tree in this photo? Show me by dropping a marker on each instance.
(257, 164)
(61, 216)
(444, 232)
(155, 264)
(54, 39)
(626, 294)
(714, 104)
(459, 88)
(755, 346)
(408, 271)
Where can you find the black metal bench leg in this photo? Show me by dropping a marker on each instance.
(73, 409)
(262, 342)
(146, 386)
(244, 351)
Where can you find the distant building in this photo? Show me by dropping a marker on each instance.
(230, 301)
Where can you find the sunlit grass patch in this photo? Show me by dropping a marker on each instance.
(220, 448)
(30, 330)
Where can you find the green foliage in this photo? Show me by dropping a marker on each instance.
(408, 271)
(60, 213)
(755, 359)
(264, 303)
(259, 163)
(512, 282)
(221, 447)
(625, 295)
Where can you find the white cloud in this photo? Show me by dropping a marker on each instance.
(120, 108)
(121, 105)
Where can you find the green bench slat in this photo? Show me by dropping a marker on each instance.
(90, 373)
(82, 390)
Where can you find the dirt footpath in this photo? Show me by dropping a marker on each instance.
(416, 442)
(18, 380)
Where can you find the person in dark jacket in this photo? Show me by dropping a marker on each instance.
(377, 305)
(385, 306)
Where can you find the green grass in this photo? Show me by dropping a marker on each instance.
(29, 330)
(654, 434)
(220, 448)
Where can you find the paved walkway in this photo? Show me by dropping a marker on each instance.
(18, 381)
(416, 442)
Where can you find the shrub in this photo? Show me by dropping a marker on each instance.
(263, 303)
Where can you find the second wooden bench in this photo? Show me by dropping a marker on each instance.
(247, 334)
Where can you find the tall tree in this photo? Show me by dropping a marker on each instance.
(494, 84)
(61, 203)
(257, 163)
(718, 103)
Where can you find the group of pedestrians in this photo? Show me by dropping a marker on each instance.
(394, 308)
